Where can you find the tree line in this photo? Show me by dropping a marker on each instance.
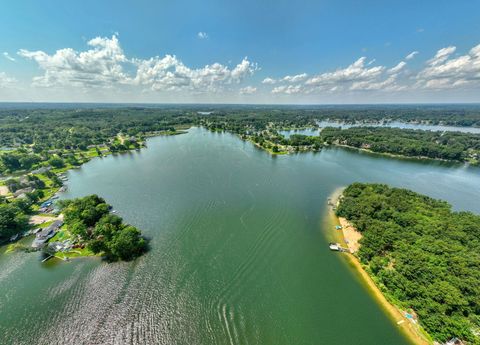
(456, 146)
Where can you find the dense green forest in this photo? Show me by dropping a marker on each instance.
(90, 220)
(31, 138)
(423, 255)
(77, 128)
(455, 146)
(12, 219)
(60, 137)
(14, 213)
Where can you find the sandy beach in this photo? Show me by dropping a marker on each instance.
(350, 237)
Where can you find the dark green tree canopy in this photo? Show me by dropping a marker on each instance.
(424, 255)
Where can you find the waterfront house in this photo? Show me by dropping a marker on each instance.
(41, 170)
(19, 192)
(44, 235)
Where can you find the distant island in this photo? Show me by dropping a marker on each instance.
(424, 257)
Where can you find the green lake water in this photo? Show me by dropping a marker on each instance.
(238, 255)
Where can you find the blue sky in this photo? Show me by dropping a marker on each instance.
(240, 51)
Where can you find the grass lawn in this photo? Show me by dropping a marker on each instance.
(62, 235)
(75, 253)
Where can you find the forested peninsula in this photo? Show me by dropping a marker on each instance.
(453, 146)
(423, 256)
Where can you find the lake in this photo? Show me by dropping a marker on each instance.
(239, 250)
(393, 124)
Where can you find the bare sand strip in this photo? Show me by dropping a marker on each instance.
(351, 237)
(37, 220)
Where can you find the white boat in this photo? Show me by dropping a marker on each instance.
(334, 246)
(14, 237)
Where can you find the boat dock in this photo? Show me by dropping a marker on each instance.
(336, 247)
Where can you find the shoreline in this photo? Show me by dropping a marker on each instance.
(412, 332)
(7, 246)
(403, 157)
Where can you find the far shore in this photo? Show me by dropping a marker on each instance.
(400, 156)
(350, 239)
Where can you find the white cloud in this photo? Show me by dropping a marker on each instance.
(442, 55)
(269, 80)
(359, 76)
(295, 78)
(202, 35)
(102, 65)
(248, 90)
(8, 57)
(104, 69)
(411, 55)
(288, 89)
(6, 81)
(353, 73)
(105, 65)
(170, 74)
(443, 71)
(397, 68)
(387, 84)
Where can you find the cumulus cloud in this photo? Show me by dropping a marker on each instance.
(6, 81)
(295, 78)
(268, 80)
(101, 65)
(105, 65)
(288, 89)
(354, 72)
(397, 68)
(248, 90)
(387, 84)
(202, 35)
(8, 57)
(442, 55)
(443, 71)
(358, 76)
(411, 55)
(170, 74)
